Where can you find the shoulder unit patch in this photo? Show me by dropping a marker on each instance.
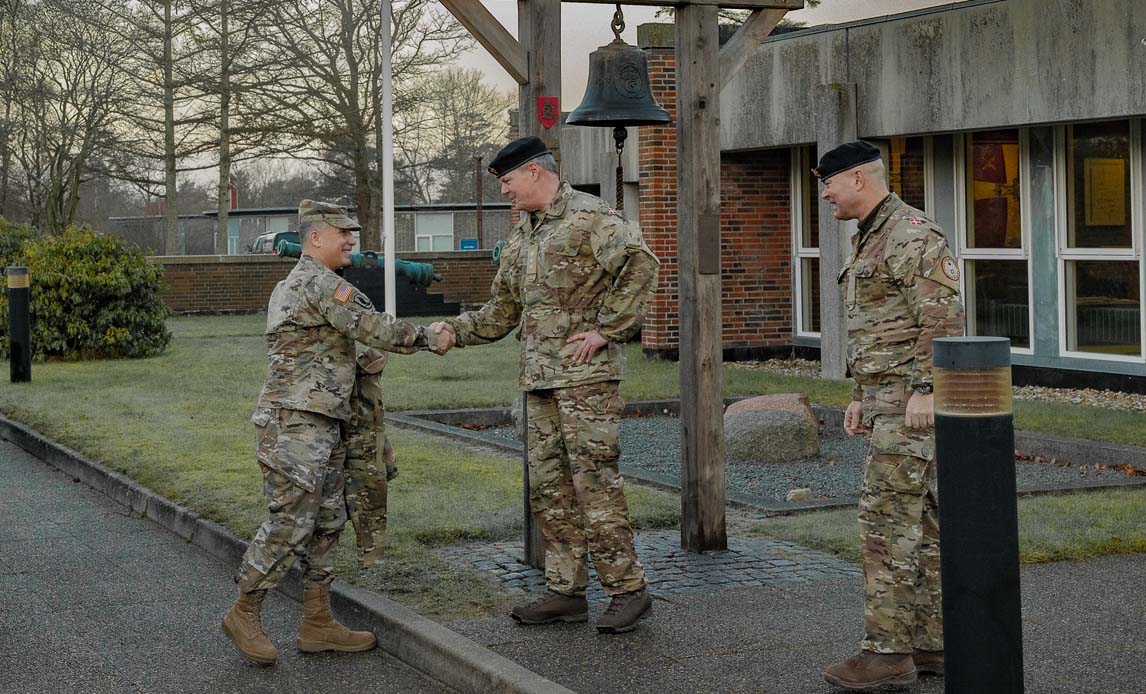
(950, 268)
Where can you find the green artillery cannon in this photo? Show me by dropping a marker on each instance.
(419, 274)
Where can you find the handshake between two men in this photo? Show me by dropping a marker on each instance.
(443, 338)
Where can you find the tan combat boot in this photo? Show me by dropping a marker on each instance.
(243, 625)
(319, 631)
(928, 662)
(552, 607)
(868, 671)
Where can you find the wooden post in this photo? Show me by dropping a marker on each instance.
(698, 246)
(539, 31)
(835, 125)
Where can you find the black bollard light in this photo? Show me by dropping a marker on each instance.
(978, 515)
(19, 324)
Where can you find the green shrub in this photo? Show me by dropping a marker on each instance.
(92, 298)
(12, 238)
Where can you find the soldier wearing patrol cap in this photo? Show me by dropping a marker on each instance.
(314, 320)
(574, 279)
(901, 290)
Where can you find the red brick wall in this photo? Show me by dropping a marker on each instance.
(657, 157)
(755, 190)
(225, 284)
(756, 248)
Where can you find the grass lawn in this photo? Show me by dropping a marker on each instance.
(178, 424)
(1071, 527)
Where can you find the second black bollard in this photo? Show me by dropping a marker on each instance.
(19, 324)
(978, 515)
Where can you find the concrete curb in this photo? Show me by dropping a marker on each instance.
(417, 641)
(449, 422)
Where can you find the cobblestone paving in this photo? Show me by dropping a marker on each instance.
(668, 568)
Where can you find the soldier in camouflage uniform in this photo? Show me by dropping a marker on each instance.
(901, 290)
(369, 459)
(314, 319)
(574, 279)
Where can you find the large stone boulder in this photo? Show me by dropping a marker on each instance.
(771, 429)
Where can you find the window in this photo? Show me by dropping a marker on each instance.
(232, 235)
(806, 241)
(906, 170)
(1100, 241)
(993, 237)
(434, 231)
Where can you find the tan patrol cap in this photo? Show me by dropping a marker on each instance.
(334, 215)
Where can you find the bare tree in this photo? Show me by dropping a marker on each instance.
(11, 79)
(322, 97)
(162, 106)
(64, 114)
(230, 61)
(461, 117)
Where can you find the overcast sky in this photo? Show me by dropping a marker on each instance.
(585, 27)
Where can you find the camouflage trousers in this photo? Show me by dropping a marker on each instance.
(899, 530)
(369, 466)
(576, 492)
(302, 457)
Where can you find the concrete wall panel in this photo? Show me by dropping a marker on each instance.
(985, 65)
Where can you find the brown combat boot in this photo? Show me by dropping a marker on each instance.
(243, 625)
(868, 671)
(928, 662)
(553, 607)
(319, 631)
(625, 611)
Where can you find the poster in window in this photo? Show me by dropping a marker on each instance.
(1104, 183)
(995, 191)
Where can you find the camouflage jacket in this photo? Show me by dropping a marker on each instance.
(573, 267)
(314, 318)
(901, 290)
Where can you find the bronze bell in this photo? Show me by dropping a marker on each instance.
(618, 92)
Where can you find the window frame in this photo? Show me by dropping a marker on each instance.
(1067, 255)
(964, 253)
(418, 216)
(800, 164)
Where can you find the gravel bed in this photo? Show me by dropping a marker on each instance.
(653, 444)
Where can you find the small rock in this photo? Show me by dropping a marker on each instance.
(798, 495)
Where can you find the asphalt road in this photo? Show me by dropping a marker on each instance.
(93, 601)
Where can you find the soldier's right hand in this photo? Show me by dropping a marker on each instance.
(444, 337)
(853, 419)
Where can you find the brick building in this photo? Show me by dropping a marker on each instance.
(1017, 125)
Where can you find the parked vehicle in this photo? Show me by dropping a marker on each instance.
(266, 243)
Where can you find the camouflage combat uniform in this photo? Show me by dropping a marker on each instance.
(575, 266)
(370, 460)
(314, 318)
(901, 290)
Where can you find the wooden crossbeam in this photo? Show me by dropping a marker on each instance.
(734, 4)
(494, 37)
(735, 54)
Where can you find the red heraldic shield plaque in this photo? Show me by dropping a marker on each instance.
(547, 111)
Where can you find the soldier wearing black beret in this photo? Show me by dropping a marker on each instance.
(901, 290)
(575, 277)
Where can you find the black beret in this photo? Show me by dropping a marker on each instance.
(846, 156)
(516, 153)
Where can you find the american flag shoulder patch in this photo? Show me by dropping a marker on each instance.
(342, 294)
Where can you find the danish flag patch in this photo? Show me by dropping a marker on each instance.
(342, 294)
(916, 222)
